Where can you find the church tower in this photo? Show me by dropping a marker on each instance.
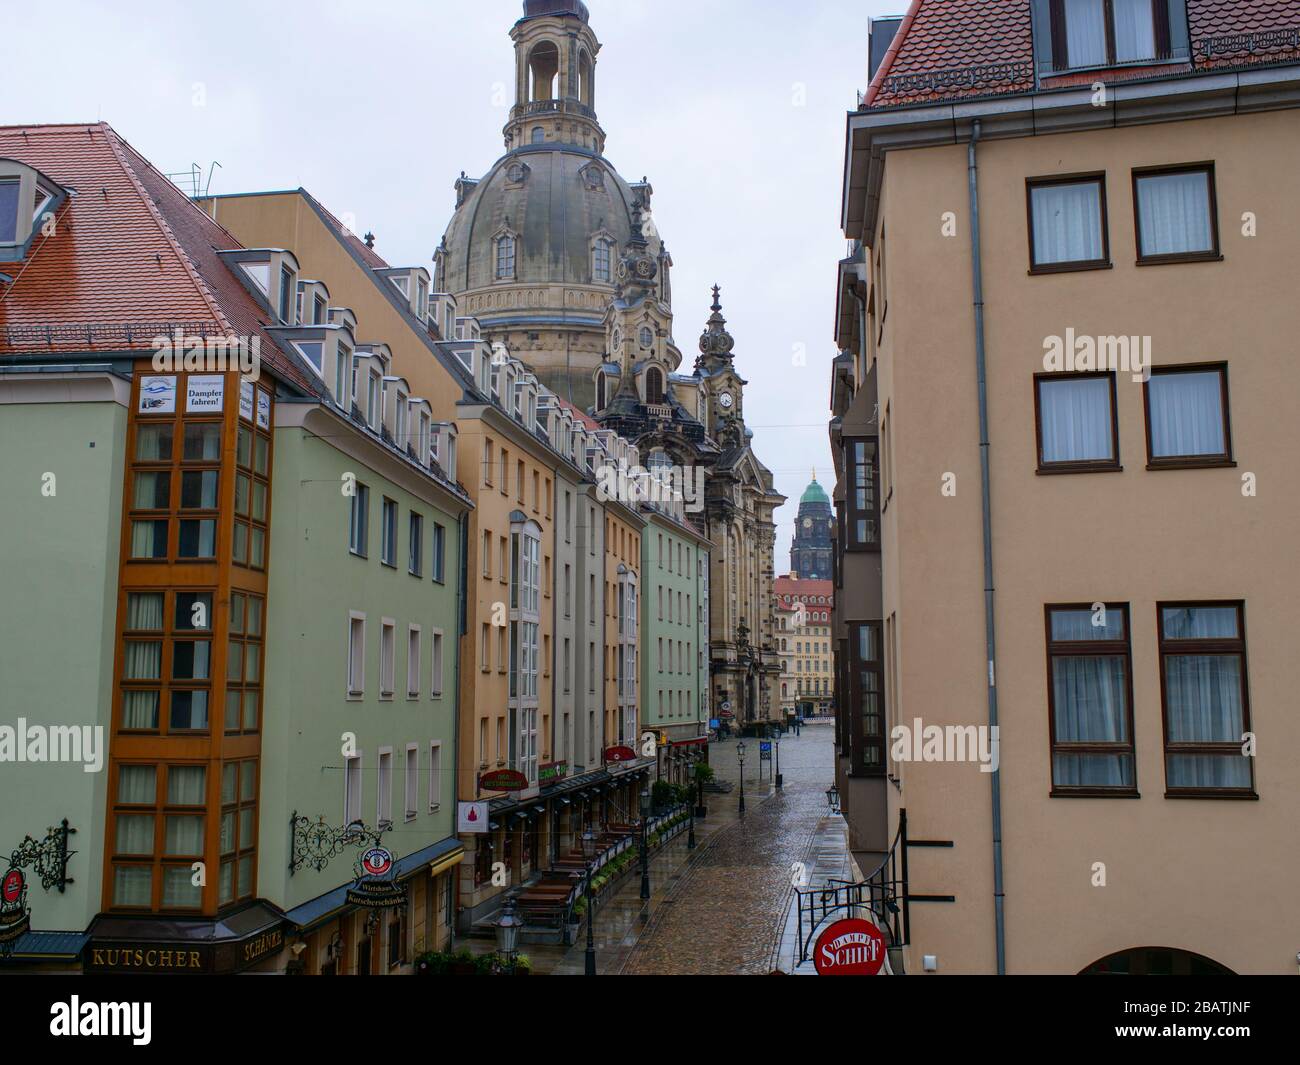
(555, 77)
(810, 556)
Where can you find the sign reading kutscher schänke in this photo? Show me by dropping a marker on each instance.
(376, 887)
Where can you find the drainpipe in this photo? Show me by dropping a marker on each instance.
(462, 605)
(990, 632)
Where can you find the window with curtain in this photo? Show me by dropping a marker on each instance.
(1090, 700)
(1176, 215)
(1098, 33)
(1206, 707)
(1068, 223)
(1187, 416)
(1077, 429)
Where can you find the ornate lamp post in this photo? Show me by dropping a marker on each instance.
(589, 855)
(690, 839)
(740, 754)
(645, 852)
(776, 740)
(833, 798)
(508, 934)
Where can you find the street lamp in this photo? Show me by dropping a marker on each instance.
(740, 754)
(833, 798)
(776, 739)
(645, 852)
(589, 856)
(508, 933)
(690, 768)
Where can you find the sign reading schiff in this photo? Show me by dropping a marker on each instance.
(850, 948)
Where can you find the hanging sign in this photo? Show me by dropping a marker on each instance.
(850, 948)
(620, 754)
(376, 887)
(15, 918)
(472, 819)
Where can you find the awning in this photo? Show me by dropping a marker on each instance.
(47, 946)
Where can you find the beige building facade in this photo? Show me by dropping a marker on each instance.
(1117, 267)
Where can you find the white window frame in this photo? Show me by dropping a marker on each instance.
(412, 789)
(435, 775)
(387, 659)
(414, 635)
(437, 640)
(357, 692)
(352, 764)
(385, 771)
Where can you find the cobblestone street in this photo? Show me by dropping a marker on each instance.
(727, 912)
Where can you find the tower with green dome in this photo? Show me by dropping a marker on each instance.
(810, 557)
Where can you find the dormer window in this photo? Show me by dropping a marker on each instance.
(422, 299)
(1107, 33)
(288, 294)
(43, 199)
(318, 309)
(342, 364)
(374, 392)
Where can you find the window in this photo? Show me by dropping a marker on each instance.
(415, 563)
(387, 659)
(1098, 33)
(357, 655)
(1077, 426)
(487, 463)
(244, 663)
(374, 392)
(384, 806)
(388, 530)
(1206, 704)
(601, 262)
(412, 781)
(413, 662)
(1067, 224)
(505, 257)
(437, 664)
(1187, 417)
(1176, 214)
(352, 790)
(358, 528)
(9, 211)
(435, 775)
(287, 293)
(439, 560)
(1090, 700)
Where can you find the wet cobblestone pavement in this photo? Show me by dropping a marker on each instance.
(728, 911)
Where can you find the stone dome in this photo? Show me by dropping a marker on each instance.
(556, 200)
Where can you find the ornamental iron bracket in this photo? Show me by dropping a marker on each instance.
(47, 858)
(314, 844)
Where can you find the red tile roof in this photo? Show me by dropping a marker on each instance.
(583, 419)
(798, 586)
(131, 255)
(957, 49)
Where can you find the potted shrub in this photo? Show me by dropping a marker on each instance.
(523, 965)
(462, 964)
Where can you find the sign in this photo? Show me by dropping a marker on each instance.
(765, 751)
(157, 395)
(376, 887)
(127, 956)
(850, 948)
(15, 918)
(472, 818)
(263, 410)
(503, 780)
(246, 400)
(726, 706)
(554, 771)
(205, 394)
(714, 723)
(620, 754)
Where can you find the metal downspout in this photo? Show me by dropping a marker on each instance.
(990, 631)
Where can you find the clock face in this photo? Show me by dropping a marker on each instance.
(807, 523)
(726, 400)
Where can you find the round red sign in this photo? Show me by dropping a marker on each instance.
(850, 948)
(13, 886)
(377, 861)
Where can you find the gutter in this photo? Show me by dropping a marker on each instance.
(462, 551)
(990, 631)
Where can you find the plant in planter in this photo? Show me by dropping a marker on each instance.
(433, 963)
(462, 963)
(523, 965)
(487, 965)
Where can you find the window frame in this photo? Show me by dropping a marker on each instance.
(1080, 648)
(1220, 646)
(1111, 465)
(1069, 266)
(1161, 31)
(1192, 462)
(1215, 254)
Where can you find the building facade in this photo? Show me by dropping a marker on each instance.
(1071, 490)
(804, 609)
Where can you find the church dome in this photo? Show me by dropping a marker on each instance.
(814, 493)
(555, 201)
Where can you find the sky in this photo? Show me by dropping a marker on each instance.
(734, 109)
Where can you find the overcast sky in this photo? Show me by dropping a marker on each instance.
(734, 109)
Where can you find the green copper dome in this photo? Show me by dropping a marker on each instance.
(815, 493)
